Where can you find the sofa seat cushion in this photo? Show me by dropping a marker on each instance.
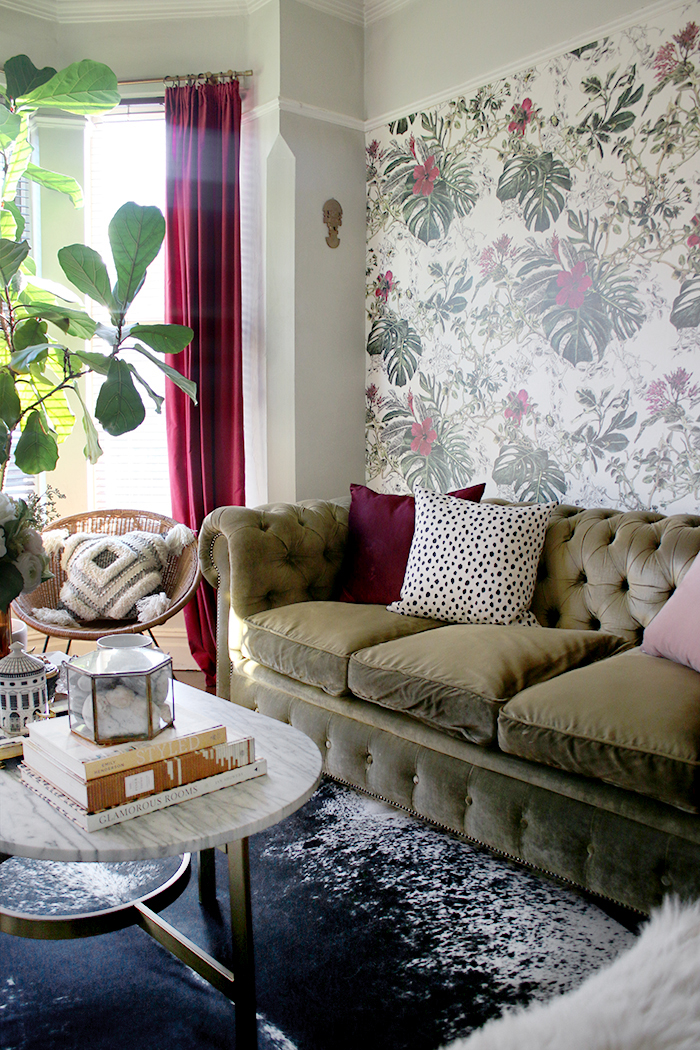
(457, 678)
(632, 721)
(312, 642)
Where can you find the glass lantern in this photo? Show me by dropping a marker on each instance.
(118, 695)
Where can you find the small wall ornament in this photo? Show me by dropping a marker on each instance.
(333, 218)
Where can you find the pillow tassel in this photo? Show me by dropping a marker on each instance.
(152, 606)
(178, 538)
(54, 540)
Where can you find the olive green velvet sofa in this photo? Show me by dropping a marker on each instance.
(564, 746)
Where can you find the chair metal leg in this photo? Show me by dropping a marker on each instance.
(242, 959)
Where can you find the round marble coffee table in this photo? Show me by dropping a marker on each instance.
(30, 827)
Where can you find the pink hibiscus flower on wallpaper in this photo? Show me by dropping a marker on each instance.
(425, 176)
(385, 282)
(573, 286)
(522, 115)
(694, 238)
(518, 405)
(423, 436)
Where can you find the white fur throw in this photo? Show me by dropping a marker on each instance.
(646, 999)
(107, 575)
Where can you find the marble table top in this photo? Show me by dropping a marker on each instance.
(30, 827)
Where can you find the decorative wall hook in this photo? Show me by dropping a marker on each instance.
(333, 218)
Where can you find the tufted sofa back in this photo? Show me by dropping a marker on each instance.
(600, 568)
(611, 570)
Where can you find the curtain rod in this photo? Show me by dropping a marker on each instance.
(208, 78)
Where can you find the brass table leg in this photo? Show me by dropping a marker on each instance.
(206, 868)
(242, 959)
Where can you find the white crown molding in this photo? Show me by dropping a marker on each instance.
(536, 59)
(67, 12)
(301, 109)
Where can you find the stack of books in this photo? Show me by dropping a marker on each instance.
(97, 786)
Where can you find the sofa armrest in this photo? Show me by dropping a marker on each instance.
(263, 557)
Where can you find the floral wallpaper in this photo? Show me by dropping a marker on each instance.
(533, 281)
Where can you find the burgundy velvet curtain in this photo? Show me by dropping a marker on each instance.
(203, 290)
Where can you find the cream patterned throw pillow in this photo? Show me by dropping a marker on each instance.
(113, 577)
(473, 563)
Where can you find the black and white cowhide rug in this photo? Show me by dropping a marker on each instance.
(372, 929)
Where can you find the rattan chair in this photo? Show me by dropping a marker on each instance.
(180, 578)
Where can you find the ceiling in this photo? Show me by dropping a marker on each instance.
(359, 12)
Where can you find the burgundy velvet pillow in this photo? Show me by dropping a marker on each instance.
(380, 531)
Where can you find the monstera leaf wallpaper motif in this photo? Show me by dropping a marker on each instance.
(534, 280)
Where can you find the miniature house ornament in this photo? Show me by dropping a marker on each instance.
(23, 692)
(117, 695)
(333, 218)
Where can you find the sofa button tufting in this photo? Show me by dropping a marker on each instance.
(468, 800)
(523, 822)
(590, 849)
(666, 880)
(368, 760)
(416, 778)
(328, 743)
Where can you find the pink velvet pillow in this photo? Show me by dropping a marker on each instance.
(380, 531)
(675, 630)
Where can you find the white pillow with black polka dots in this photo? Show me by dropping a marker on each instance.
(473, 562)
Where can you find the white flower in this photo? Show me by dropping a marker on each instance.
(32, 542)
(31, 567)
(8, 508)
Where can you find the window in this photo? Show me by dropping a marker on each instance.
(126, 161)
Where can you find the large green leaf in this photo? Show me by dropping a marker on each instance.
(72, 322)
(22, 76)
(83, 87)
(531, 472)
(37, 449)
(10, 126)
(85, 268)
(400, 345)
(92, 450)
(685, 312)
(11, 221)
(135, 234)
(22, 360)
(97, 362)
(165, 338)
(53, 180)
(119, 407)
(19, 159)
(429, 217)
(29, 333)
(155, 397)
(10, 407)
(537, 182)
(186, 385)
(12, 255)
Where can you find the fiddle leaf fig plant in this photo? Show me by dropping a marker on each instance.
(37, 366)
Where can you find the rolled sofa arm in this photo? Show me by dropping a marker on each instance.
(260, 558)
